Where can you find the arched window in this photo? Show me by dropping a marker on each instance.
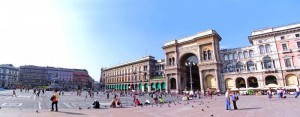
(250, 66)
(235, 56)
(239, 67)
(246, 54)
(204, 55)
(287, 63)
(267, 62)
(268, 48)
(251, 53)
(230, 57)
(173, 61)
(225, 57)
(208, 54)
(241, 55)
(261, 49)
(229, 68)
(170, 61)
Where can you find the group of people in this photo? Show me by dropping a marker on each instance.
(116, 102)
(231, 97)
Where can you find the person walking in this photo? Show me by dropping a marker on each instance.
(54, 100)
(107, 95)
(297, 92)
(227, 96)
(269, 92)
(14, 93)
(234, 98)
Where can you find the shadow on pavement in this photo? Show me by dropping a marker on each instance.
(249, 108)
(72, 113)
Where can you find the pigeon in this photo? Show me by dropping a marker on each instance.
(160, 105)
(199, 104)
(169, 105)
(192, 106)
(105, 106)
(211, 115)
(184, 104)
(207, 106)
(202, 109)
(215, 99)
(188, 103)
(194, 101)
(89, 108)
(37, 111)
(79, 108)
(208, 102)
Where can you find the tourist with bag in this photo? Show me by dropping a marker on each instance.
(234, 98)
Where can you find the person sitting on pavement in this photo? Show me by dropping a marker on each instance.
(147, 102)
(118, 102)
(113, 104)
(161, 101)
(137, 102)
(96, 104)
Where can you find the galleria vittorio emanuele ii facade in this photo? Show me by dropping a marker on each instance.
(197, 62)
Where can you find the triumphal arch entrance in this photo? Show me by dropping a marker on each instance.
(192, 63)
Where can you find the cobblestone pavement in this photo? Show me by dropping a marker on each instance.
(249, 106)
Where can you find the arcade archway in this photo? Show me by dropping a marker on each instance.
(189, 71)
(240, 83)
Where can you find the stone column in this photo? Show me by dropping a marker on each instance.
(167, 83)
(201, 81)
(217, 80)
(178, 81)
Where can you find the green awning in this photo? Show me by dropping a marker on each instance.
(163, 86)
(140, 86)
(152, 86)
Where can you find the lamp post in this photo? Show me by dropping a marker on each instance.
(190, 64)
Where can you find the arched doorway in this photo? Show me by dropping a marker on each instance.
(252, 82)
(229, 83)
(291, 80)
(152, 86)
(163, 86)
(240, 83)
(271, 80)
(210, 82)
(146, 86)
(189, 66)
(173, 83)
(140, 87)
(157, 86)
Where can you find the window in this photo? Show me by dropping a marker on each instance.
(284, 46)
(209, 54)
(241, 55)
(246, 54)
(282, 37)
(239, 67)
(261, 49)
(229, 67)
(250, 66)
(297, 35)
(298, 44)
(205, 55)
(268, 48)
(235, 56)
(225, 57)
(251, 54)
(287, 63)
(267, 62)
(230, 56)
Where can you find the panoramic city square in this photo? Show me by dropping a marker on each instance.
(149, 58)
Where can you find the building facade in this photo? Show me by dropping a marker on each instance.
(54, 77)
(9, 76)
(144, 74)
(197, 62)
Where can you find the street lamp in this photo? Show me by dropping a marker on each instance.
(191, 64)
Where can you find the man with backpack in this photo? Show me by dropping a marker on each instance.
(54, 100)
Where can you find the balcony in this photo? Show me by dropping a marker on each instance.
(287, 51)
(157, 77)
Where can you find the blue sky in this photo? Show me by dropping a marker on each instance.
(91, 34)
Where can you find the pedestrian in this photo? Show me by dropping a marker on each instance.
(14, 93)
(297, 92)
(54, 100)
(210, 93)
(107, 95)
(227, 96)
(269, 92)
(234, 98)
